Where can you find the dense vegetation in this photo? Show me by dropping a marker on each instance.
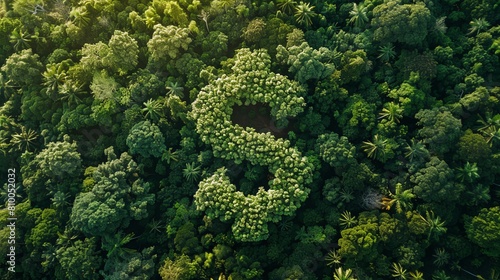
(229, 139)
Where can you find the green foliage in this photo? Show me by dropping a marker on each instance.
(335, 150)
(388, 105)
(439, 129)
(304, 13)
(305, 62)
(113, 202)
(146, 140)
(404, 23)
(168, 41)
(434, 182)
(216, 195)
(23, 69)
(483, 230)
(80, 260)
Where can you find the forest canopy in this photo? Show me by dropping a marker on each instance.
(229, 139)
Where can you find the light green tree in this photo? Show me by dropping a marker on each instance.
(168, 41)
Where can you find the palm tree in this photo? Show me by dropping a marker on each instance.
(333, 258)
(375, 149)
(304, 14)
(358, 15)
(392, 112)
(53, 77)
(468, 173)
(477, 25)
(60, 199)
(4, 192)
(347, 220)
(416, 275)
(70, 91)
(6, 88)
(169, 156)
(156, 226)
(401, 198)
(65, 239)
(341, 274)
(387, 52)
(436, 226)
(25, 140)
(398, 271)
(346, 195)
(477, 195)
(191, 172)
(113, 244)
(440, 275)
(416, 151)
(441, 257)
(20, 39)
(153, 109)
(80, 16)
(175, 89)
(440, 25)
(287, 6)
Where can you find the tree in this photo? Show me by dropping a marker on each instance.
(25, 140)
(335, 150)
(23, 69)
(168, 41)
(20, 39)
(305, 62)
(113, 201)
(401, 198)
(287, 7)
(409, 98)
(398, 271)
(483, 229)
(416, 151)
(468, 173)
(478, 98)
(181, 268)
(477, 25)
(435, 224)
(472, 147)
(175, 89)
(358, 15)
(386, 52)
(341, 274)
(434, 182)
(93, 57)
(123, 53)
(153, 109)
(54, 77)
(204, 16)
(191, 172)
(380, 149)
(81, 260)
(254, 30)
(54, 170)
(405, 23)
(440, 129)
(392, 112)
(146, 139)
(250, 80)
(140, 265)
(441, 257)
(304, 14)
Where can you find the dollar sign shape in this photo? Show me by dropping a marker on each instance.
(253, 82)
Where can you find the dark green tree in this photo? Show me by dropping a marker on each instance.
(483, 229)
(146, 139)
